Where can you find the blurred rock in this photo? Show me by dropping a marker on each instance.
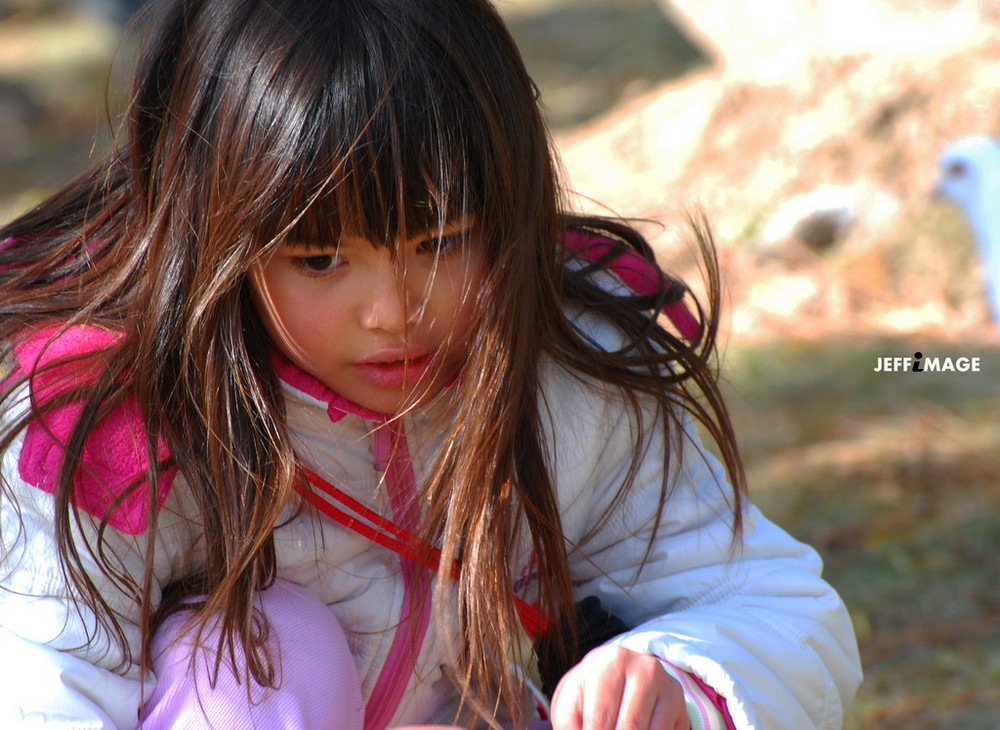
(769, 41)
(825, 218)
(587, 56)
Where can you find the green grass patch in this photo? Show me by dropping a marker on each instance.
(893, 477)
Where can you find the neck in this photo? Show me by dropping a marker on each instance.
(984, 219)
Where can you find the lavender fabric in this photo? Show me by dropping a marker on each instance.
(318, 685)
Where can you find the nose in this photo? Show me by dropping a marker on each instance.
(385, 300)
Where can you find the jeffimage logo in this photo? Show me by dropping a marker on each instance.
(920, 364)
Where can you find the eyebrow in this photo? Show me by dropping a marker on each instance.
(450, 228)
(310, 244)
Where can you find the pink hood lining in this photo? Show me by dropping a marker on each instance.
(114, 456)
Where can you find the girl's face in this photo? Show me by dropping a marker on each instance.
(385, 334)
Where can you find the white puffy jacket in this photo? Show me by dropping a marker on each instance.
(757, 624)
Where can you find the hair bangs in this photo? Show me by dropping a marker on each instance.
(383, 189)
(404, 136)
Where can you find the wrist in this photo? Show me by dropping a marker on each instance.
(706, 708)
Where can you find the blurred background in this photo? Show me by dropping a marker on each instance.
(808, 132)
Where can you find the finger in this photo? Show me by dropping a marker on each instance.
(566, 707)
(602, 701)
(668, 716)
(636, 709)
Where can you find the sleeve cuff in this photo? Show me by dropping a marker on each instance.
(706, 708)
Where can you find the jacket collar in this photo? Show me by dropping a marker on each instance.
(312, 389)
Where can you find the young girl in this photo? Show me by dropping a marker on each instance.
(320, 412)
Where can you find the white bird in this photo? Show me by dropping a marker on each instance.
(969, 175)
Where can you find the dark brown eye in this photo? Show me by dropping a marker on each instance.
(319, 264)
(956, 168)
(441, 244)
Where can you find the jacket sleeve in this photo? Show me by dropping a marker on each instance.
(753, 620)
(59, 665)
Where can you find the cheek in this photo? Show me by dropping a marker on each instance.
(280, 310)
(458, 304)
(262, 298)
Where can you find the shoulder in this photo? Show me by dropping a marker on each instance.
(111, 466)
(47, 345)
(567, 390)
(601, 437)
(589, 429)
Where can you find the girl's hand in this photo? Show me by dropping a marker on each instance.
(613, 688)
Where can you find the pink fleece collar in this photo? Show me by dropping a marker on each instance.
(114, 456)
(337, 406)
(113, 459)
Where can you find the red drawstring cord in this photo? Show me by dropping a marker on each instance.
(388, 534)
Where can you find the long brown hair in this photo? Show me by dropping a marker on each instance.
(251, 120)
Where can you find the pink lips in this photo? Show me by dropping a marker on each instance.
(393, 370)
